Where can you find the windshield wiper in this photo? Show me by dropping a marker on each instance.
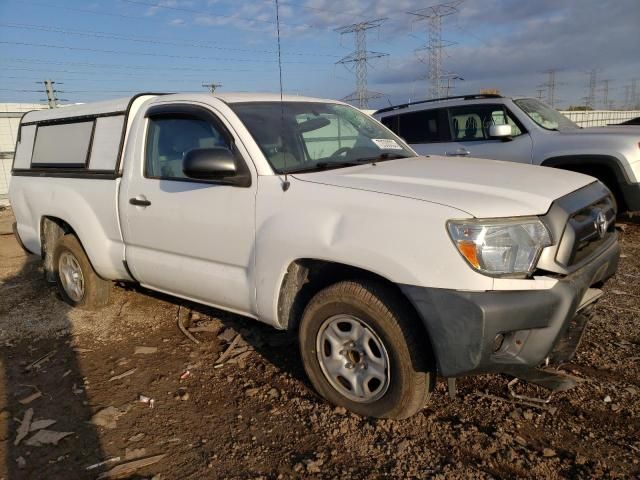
(325, 166)
(348, 163)
(381, 158)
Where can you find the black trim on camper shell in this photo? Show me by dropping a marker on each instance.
(87, 157)
(65, 173)
(74, 170)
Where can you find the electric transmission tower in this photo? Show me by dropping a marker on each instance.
(435, 47)
(359, 60)
(551, 86)
(593, 82)
(605, 93)
(211, 86)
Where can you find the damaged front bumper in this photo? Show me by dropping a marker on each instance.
(507, 331)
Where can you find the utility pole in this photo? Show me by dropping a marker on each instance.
(451, 85)
(540, 93)
(360, 59)
(212, 86)
(593, 82)
(433, 16)
(634, 94)
(51, 92)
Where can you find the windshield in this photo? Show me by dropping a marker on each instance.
(544, 115)
(301, 136)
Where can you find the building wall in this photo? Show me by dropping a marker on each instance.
(10, 114)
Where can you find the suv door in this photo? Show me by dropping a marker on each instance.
(470, 134)
(191, 238)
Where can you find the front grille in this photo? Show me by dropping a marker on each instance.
(587, 230)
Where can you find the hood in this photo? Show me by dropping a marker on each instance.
(625, 130)
(480, 188)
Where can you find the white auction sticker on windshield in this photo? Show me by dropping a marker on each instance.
(386, 143)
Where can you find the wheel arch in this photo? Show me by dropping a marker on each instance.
(52, 228)
(305, 277)
(605, 168)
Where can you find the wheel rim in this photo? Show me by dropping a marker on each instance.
(353, 359)
(71, 276)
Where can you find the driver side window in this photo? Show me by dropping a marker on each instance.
(170, 138)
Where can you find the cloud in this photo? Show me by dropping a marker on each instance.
(510, 44)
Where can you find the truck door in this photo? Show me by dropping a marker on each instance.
(191, 238)
(470, 134)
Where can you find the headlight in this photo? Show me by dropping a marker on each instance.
(502, 246)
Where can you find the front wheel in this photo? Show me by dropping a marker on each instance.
(364, 349)
(79, 285)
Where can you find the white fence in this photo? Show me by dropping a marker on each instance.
(600, 118)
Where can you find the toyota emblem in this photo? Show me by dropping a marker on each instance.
(601, 224)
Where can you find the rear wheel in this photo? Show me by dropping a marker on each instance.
(78, 283)
(363, 349)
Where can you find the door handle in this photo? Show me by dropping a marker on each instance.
(139, 201)
(461, 152)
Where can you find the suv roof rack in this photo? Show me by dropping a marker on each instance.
(457, 97)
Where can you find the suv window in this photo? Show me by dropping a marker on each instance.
(170, 138)
(424, 126)
(473, 122)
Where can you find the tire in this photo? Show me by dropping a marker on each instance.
(392, 333)
(72, 268)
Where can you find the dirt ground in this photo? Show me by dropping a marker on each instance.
(256, 416)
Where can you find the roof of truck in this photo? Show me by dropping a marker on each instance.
(122, 104)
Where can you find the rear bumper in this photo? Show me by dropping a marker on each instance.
(463, 326)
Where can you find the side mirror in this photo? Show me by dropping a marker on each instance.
(209, 164)
(500, 131)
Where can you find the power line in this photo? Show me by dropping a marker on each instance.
(214, 14)
(435, 46)
(128, 67)
(150, 40)
(360, 59)
(148, 54)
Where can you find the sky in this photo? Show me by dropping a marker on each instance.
(99, 49)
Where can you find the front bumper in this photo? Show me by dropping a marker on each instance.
(462, 326)
(631, 194)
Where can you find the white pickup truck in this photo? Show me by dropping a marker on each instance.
(311, 216)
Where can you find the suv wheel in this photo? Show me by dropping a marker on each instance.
(79, 285)
(363, 349)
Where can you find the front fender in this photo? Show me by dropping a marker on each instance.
(403, 240)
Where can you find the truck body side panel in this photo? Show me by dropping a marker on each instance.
(88, 205)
